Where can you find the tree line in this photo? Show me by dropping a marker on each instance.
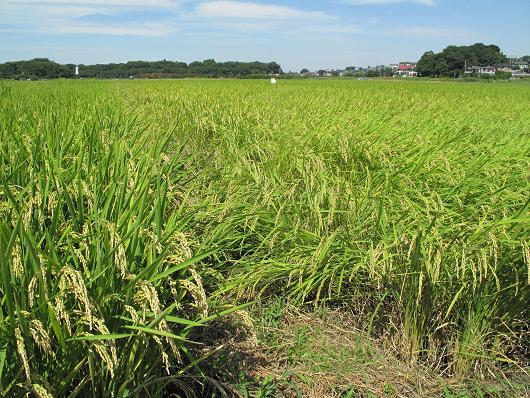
(37, 68)
(453, 59)
(447, 63)
(43, 68)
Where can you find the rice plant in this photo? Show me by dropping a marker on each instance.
(98, 289)
(408, 202)
(407, 199)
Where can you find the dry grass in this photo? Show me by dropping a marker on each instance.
(334, 356)
(325, 354)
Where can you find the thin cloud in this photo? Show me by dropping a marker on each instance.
(71, 12)
(236, 9)
(333, 29)
(133, 30)
(429, 31)
(99, 17)
(381, 2)
(123, 3)
(242, 26)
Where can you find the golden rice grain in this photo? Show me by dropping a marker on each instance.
(21, 349)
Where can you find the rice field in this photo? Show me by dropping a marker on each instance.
(134, 214)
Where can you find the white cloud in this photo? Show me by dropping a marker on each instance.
(73, 11)
(378, 2)
(236, 9)
(124, 3)
(334, 29)
(62, 16)
(244, 26)
(233, 17)
(131, 30)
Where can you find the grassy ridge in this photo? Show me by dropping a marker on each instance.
(407, 201)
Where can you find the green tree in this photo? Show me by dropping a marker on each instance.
(453, 59)
(43, 68)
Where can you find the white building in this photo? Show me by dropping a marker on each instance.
(486, 70)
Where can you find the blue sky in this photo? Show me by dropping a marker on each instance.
(295, 33)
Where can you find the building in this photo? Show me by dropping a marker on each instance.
(521, 65)
(504, 68)
(406, 69)
(486, 70)
(481, 71)
(519, 74)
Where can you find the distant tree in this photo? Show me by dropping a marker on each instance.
(37, 68)
(452, 60)
(430, 64)
(304, 71)
(388, 72)
(43, 68)
(526, 58)
(503, 75)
